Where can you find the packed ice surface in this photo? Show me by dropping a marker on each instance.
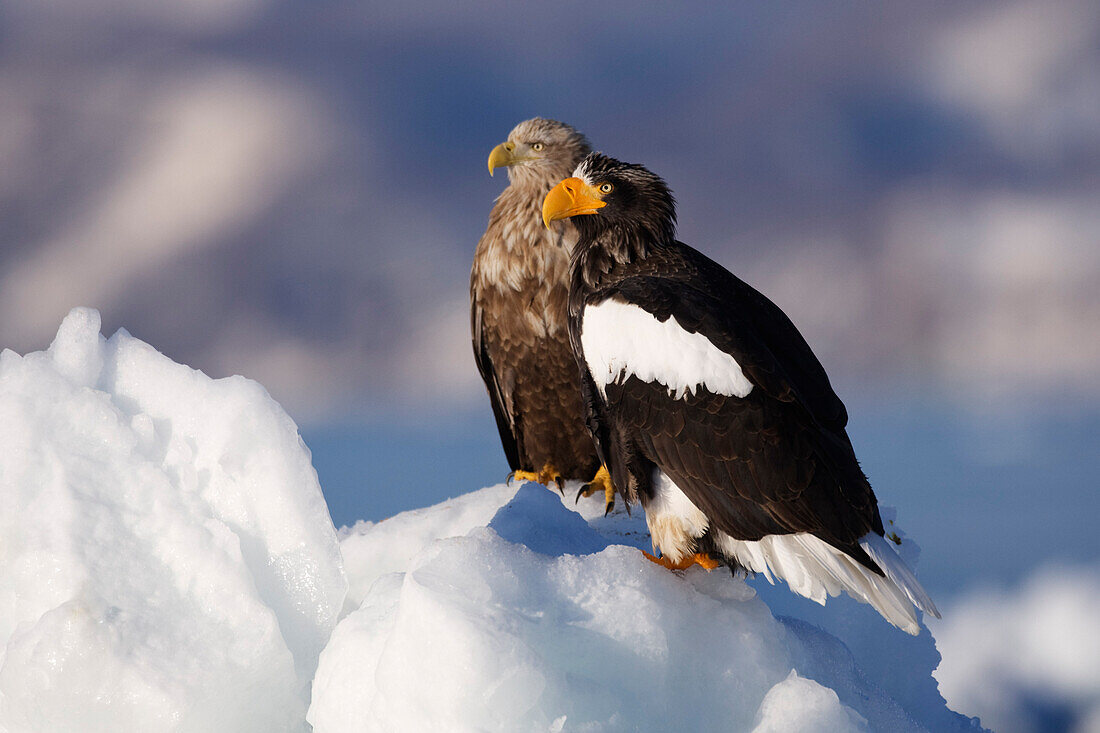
(374, 549)
(799, 705)
(1027, 660)
(167, 561)
(546, 619)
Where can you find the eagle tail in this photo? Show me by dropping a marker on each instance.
(815, 569)
(898, 572)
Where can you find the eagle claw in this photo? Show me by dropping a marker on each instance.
(699, 558)
(544, 477)
(600, 482)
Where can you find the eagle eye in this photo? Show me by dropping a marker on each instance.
(606, 188)
(537, 147)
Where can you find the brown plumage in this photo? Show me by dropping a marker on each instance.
(518, 310)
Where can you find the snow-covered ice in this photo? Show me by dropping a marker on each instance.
(800, 705)
(167, 562)
(374, 549)
(544, 620)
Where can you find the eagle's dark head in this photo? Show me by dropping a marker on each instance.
(614, 205)
(539, 152)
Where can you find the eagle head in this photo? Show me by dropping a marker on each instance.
(607, 195)
(539, 148)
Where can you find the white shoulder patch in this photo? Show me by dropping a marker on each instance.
(621, 339)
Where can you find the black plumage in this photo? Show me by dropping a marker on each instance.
(774, 461)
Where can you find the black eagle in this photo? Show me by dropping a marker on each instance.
(708, 406)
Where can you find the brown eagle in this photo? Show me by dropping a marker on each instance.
(518, 318)
(709, 407)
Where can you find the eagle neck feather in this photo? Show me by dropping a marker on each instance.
(598, 259)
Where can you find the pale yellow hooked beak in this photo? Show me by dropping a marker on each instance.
(502, 156)
(571, 197)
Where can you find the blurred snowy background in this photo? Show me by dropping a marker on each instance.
(292, 191)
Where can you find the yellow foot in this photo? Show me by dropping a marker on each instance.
(544, 477)
(600, 482)
(698, 558)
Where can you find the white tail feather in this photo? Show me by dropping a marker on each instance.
(811, 566)
(815, 569)
(896, 570)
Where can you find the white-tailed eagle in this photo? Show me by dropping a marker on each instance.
(518, 294)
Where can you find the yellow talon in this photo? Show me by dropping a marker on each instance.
(699, 558)
(544, 477)
(601, 481)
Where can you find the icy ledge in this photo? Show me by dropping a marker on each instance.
(167, 563)
(545, 620)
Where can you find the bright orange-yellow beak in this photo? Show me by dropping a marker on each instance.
(571, 197)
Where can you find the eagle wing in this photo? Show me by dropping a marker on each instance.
(506, 422)
(766, 455)
(706, 298)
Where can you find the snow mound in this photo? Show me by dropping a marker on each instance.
(799, 705)
(1027, 660)
(372, 549)
(506, 629)
(167, 561)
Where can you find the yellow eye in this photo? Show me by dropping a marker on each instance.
(536, 147)
(606, 188)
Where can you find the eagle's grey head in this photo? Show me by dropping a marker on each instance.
(540, 152)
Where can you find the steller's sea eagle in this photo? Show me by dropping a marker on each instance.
(518, 292)
(707, 405)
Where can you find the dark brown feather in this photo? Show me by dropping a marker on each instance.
(518, 313)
